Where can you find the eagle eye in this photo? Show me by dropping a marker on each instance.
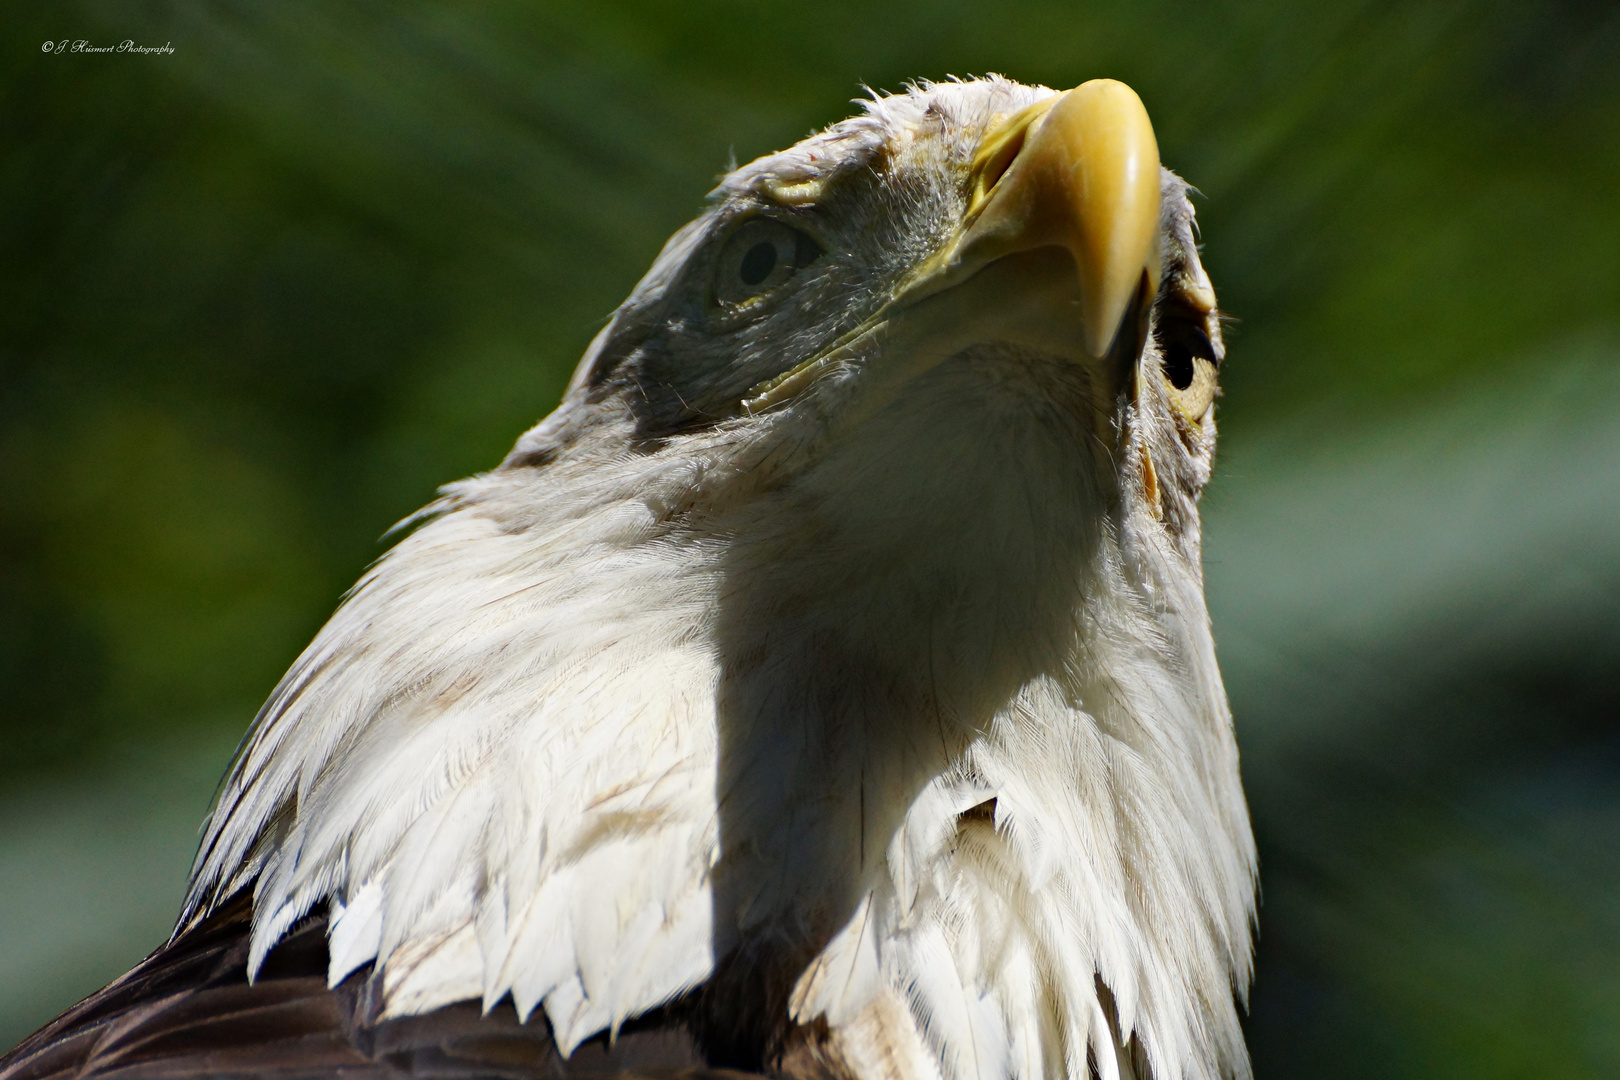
(758, 256)
(1189, 361)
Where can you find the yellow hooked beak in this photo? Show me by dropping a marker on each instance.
(1078, 171)
(1076, 175)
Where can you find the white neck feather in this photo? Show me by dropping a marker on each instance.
(590, 731)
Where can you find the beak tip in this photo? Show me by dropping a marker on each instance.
(1109, 316)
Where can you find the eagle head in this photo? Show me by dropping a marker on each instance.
(831, 671)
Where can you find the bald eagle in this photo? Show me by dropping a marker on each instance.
(825, 689)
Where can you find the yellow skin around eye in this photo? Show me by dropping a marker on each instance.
(1194, 402)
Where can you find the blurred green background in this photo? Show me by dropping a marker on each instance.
(261, 296)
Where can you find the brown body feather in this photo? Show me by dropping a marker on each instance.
(188, 1010)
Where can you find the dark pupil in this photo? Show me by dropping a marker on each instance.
(1178, 364)
(758, 263)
